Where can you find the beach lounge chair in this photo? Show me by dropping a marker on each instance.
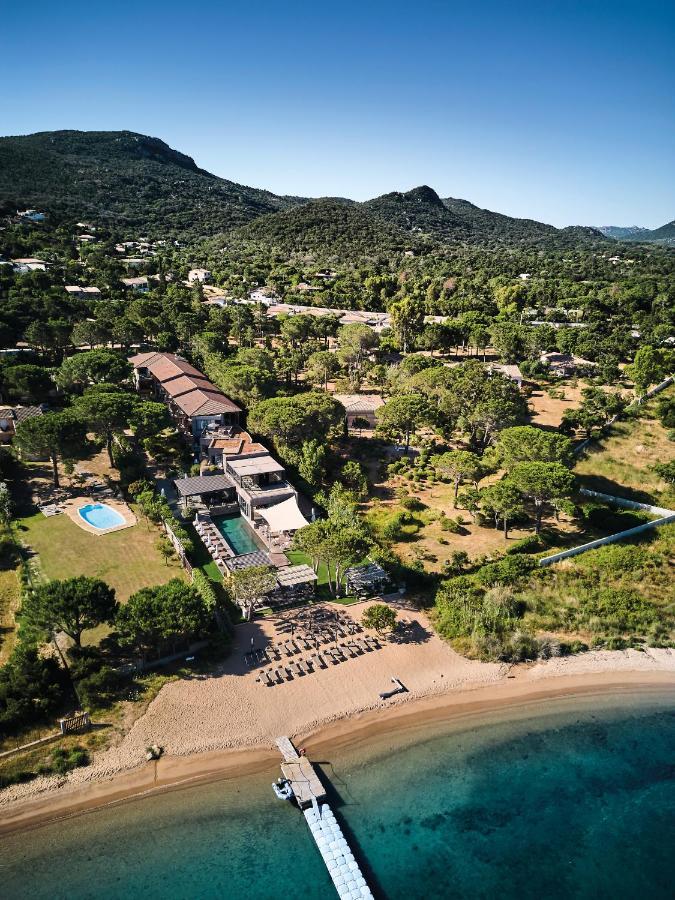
(321, 661)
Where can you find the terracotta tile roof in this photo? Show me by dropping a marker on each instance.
(169, 366)
(205, 403)
(175, 387)
(141, 360)
(190, 390)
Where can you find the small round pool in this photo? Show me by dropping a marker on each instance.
(100, 515)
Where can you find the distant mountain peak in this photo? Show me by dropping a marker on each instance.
(424, 194)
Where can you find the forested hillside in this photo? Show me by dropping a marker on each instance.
(328, 228)
(119, 178)
(138, 185)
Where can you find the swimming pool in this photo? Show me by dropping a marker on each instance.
(100, 515)
(238, 534)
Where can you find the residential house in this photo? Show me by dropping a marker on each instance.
(360, 406)
(139, 284)
(510, 371)
(202, 275)
(564, 365)
(29, 264)
(33, 215)
(83, 293)
(263, 295)
(11, 416)
(194, 402)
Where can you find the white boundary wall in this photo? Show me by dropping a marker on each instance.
(666, 516)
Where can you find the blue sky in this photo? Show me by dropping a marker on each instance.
(555, 110)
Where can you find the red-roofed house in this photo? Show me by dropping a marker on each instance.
(194, 401)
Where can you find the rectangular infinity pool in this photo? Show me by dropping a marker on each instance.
(238, 534)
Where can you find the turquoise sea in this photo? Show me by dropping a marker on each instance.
(572, 798)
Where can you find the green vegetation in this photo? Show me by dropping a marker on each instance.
(459, 518)
(617, 596)
(380, 617)
(124, 179)
(127, 560)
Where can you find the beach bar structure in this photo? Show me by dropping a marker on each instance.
(367, 580)
(331, 843)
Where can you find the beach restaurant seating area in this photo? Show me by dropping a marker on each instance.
(307, 641)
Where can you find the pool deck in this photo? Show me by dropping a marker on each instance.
(71, 507)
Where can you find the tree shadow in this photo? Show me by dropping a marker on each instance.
(410, 631)
(605, 485)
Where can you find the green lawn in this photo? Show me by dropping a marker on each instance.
(9, 602)
(127, 560)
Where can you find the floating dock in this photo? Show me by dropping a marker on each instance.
(328, 837)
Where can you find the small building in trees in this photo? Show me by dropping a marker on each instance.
(29, 264)
(565, 365)
(11, 416)
(139, 284)
(202, 275)
(83, 293)
(509, 371)
(360, 406)
(32, 215)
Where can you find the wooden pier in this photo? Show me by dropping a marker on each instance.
(328, 837)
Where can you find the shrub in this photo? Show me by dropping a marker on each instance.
(413, 504)
(506, 571)
(63, 760)
(530, 544)
(205, 589)
(451, 525)
(100, 688)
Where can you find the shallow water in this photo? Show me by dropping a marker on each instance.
(574, 798)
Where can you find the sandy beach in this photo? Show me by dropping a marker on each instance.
(225, 724)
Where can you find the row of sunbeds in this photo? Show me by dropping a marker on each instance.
(318, 660)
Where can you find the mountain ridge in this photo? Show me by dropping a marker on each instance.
(138, 182)
(125, 179)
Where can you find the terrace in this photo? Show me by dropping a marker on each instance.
(259, 480)
(208, 491)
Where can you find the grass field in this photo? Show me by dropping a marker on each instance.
(622, 463)
(9, 602)
(127, 560)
